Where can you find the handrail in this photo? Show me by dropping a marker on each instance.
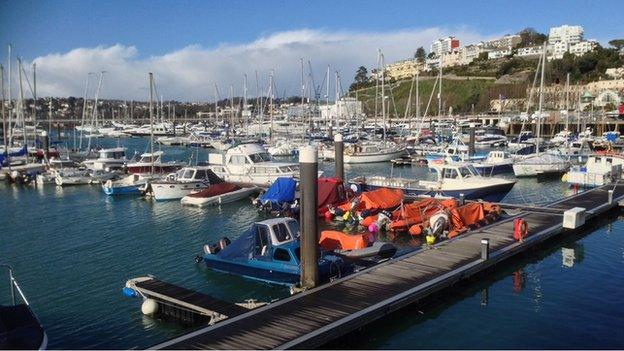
(14, 285)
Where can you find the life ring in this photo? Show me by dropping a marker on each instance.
(521, 229)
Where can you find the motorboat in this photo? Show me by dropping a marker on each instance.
(218, 194)
(269, 251)
(132, 184)
(68, 176)
(108, 159)
(496, 162)
(454, 180)
(152, 163)
(563, 137)
(540, 164)
(250, 164)
(20, 329)
(600, 169)
(279, 197)
(185, 181)
(160, 129)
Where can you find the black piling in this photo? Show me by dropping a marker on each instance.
(471, 143)
(308, 164)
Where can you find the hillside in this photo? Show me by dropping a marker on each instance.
(460, 94)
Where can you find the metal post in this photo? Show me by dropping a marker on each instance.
(485, 249)
(471, 143)
(339, 156)
(308, 164)
(462, 199)
(610, 194)
(46, 145)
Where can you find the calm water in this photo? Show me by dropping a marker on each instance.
(74, 248)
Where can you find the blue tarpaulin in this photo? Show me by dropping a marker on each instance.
(4, 157)
(282, 190)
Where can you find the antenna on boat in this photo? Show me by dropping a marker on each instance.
(151, 116)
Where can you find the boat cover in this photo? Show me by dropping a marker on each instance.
(378, 199)
(282, 190)
(330, 192)
(23, 151)
(242, 248)
(216, 189)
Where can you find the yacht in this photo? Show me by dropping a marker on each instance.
(113, 158)
(496, 162)
(160, 129)
(152, 162)
(450, 180)
(372, 152)
(183, 182)
(250, 164)
(540, 163)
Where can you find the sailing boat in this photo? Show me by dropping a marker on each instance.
(144, 170)
(540, 162)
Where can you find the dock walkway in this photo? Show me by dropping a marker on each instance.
(312, 318)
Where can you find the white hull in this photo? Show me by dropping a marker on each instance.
(219, 199)
(175, 191)
(532, 170)
(372, 158)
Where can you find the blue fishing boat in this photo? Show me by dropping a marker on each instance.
(269, 251)
(133, 184)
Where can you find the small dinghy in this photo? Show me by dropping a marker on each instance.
(217, 194)
(356, 246)
(134, 184)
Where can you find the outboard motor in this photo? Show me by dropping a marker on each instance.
(223, 242)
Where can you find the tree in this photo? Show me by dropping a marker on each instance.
(483, 56)
(530, 37)
(618, 44)
(431, 55)
(420, 54)
(361, 75)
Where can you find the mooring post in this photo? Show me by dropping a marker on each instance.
(471, 143)
(339, 156)
(610, 197)
(46, 145)
(462, 199)
(485, 249)
(308, 164)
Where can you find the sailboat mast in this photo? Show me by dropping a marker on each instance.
(34, 67)
(271, 104)
(541, 100)
(4, 129)
(383, 95)
(567, 106)
(327, 116)
(440, 90)
(302, 116)
(21, 104)
(417, 95)
(84, 111)
(244, 110)
(95, 109)
(151, 116)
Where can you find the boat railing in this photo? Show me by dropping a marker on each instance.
(14, 286)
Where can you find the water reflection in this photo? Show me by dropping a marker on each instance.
(572, 254)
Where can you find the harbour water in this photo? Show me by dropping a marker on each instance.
(73, 249)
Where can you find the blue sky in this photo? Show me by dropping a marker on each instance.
(153, 34)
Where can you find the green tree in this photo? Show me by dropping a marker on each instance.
(420, 54)
(617, 43)
(483, 56)
(361, 75)
(530, 37)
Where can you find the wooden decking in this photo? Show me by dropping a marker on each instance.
(314, 317)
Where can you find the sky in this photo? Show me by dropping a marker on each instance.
(193, 45)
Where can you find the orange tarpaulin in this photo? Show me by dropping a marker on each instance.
(378, 199)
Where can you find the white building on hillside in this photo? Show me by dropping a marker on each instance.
(582, 47)
(528, 51)
(444, 45)
(565, 33)
(346, 107)
(496, 54)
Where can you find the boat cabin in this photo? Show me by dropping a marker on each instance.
(250, 159)
(446, 172)
(112, 154)
(497, 156)
(193, 174)
(149, 157)
(273, 233)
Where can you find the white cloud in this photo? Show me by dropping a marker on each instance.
(189, 74)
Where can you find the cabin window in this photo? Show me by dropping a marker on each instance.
(188, 174)
(201, 174)
(260, 157)
(281, 232)
(294, 227)
(262, 239)
(281, 255)
(285, 169)
(449, 173)
(238, 159)
(465, 172)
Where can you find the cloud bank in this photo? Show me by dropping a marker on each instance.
(190, 73)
